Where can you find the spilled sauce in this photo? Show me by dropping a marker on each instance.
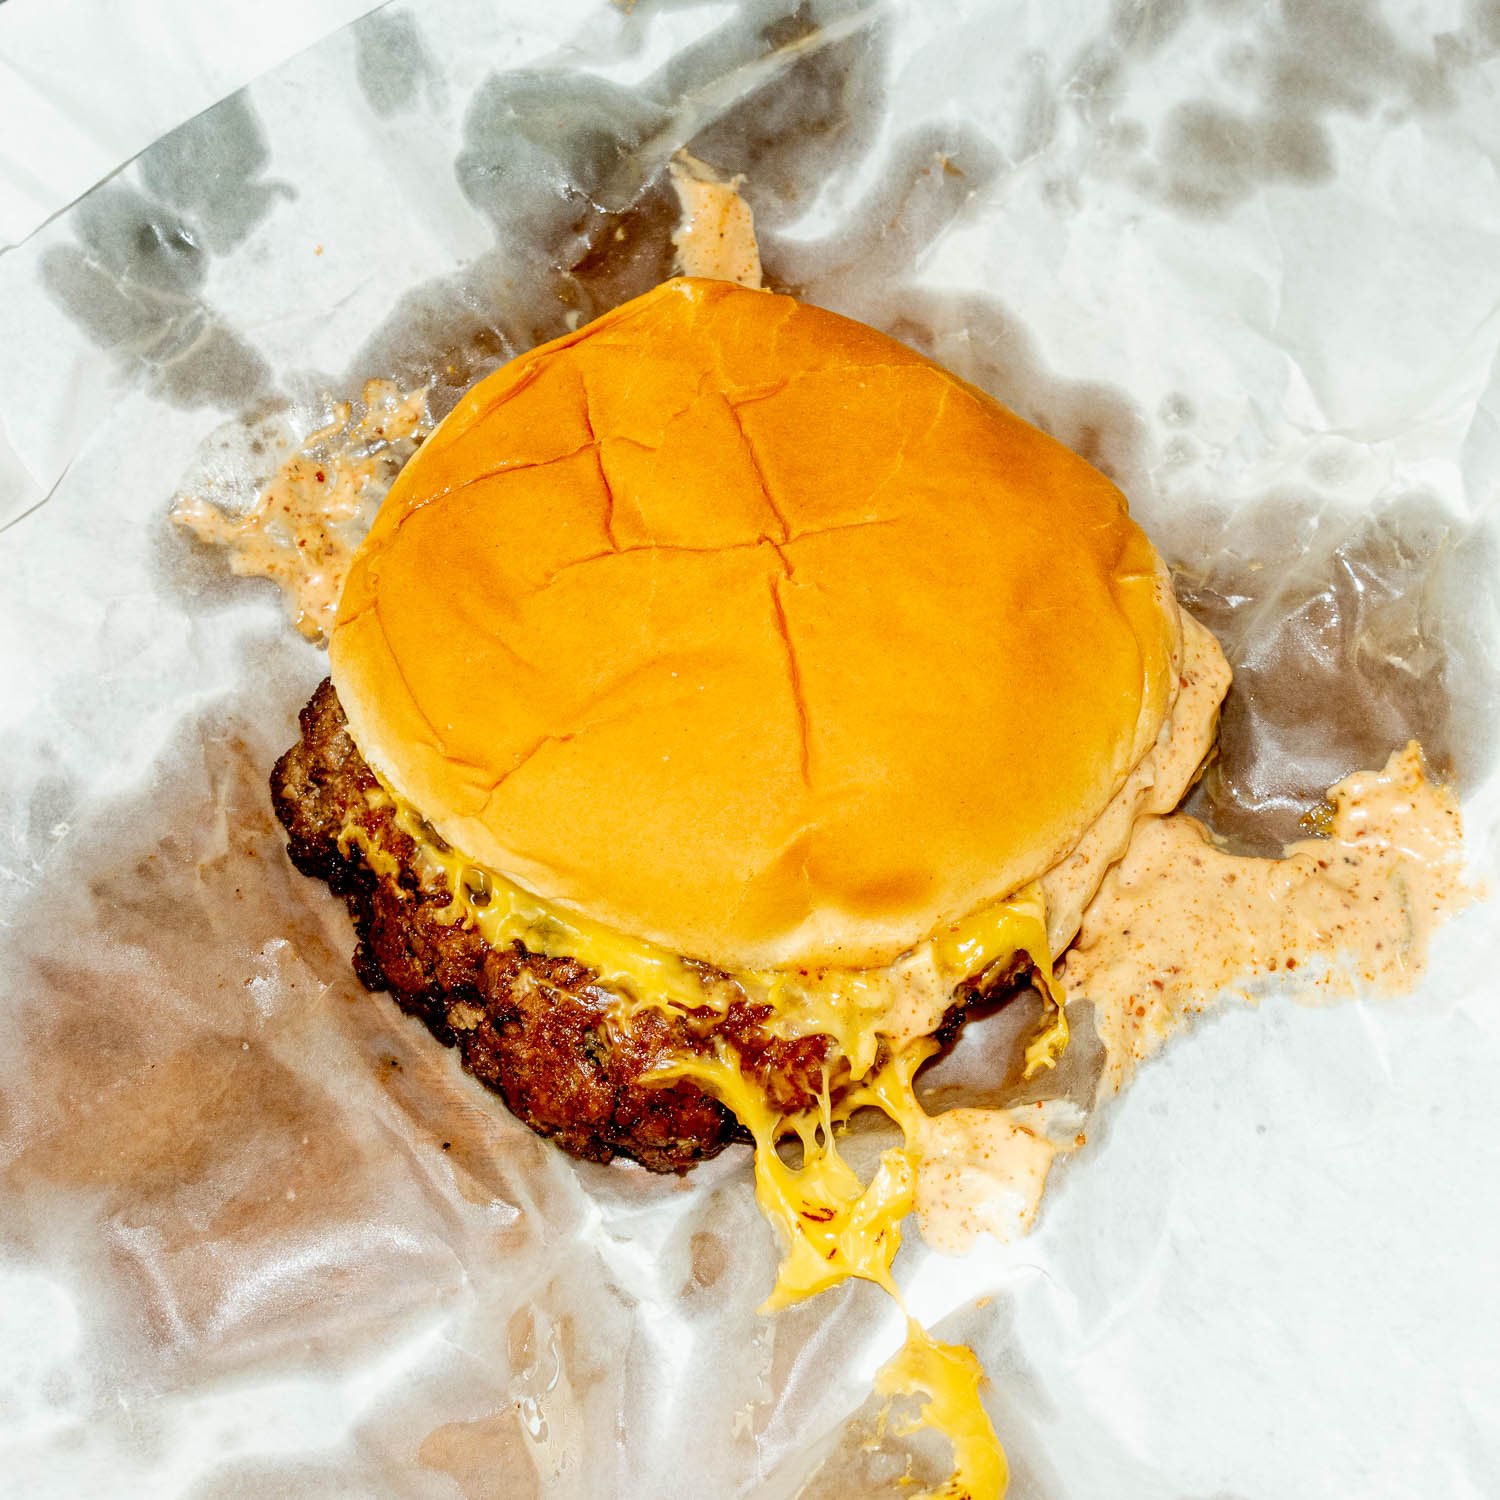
(716, 237)
(982, 1171)
(1155, 787)
(310, 517)
(1179, 923)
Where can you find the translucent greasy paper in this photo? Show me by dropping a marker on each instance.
(259, 1236)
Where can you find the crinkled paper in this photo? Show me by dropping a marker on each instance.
(259, 1236)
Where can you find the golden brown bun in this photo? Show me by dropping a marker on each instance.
(739, 627)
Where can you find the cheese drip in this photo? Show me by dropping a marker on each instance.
(949, 1376)
(868, 1013)
(832, 1226)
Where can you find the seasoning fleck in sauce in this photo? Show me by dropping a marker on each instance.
(307, 521)
(716, 237)
(1179, 923)
(983, 1171)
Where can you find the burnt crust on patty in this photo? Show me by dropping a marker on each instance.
(539, 1031)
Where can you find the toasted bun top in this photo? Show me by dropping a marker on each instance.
(737, 626)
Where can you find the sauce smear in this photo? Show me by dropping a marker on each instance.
(716, 237)
(307, 521)
(1179, 923)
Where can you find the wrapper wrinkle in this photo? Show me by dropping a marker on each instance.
(1284, 1227)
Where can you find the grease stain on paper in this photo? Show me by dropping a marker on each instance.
(392, 64)
(201, 1151)
(1345, 639)
(570, 172)
(133, 281)
(212, 171)
(489, 1458)
(1305, 63)
(1281, 77)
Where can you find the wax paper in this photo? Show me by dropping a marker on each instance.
(259, 1235)
(72, 102)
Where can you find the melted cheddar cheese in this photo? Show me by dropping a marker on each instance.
(949, 1376)
(832, 1225)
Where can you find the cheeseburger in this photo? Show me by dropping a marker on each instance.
(725, 699)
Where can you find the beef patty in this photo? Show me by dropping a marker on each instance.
(540, 1031)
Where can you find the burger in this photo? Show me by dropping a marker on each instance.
(725, 700)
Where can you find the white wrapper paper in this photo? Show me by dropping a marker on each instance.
(259, 1236)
